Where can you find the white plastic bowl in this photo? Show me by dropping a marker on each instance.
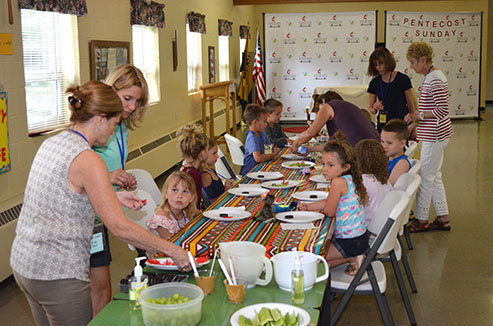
(183, 314)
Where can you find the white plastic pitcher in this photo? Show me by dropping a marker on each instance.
(248, 260)
(284, 264)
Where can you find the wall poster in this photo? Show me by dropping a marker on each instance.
(4, 135)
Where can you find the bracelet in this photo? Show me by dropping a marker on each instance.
(421, 115)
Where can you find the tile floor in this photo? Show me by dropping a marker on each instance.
(452, 269)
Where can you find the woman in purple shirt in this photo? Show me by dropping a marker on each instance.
(338, 115)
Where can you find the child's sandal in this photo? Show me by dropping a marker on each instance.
(354, 266)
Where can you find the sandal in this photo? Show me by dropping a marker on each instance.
(412, 216)
(354, 266)
(437, 225)
(417, 226)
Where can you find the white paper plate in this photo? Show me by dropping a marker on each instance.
(227, 214)
(319, 178)
(169, 267)
(299, 216)
(311, 195)
(247, 191)
(296, 164)
(249, 312)
(291, 156)
(265, 175)
(278, 184)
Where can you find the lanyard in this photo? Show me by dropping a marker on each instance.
(177, 222)
(383, 96)
(78, 133)
(121, 147)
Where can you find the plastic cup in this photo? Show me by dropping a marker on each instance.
(206, 282)
(236, 293)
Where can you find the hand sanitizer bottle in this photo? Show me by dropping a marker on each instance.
(136, 284)
(297, 283)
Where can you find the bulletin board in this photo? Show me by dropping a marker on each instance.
(106, 56)
(4, 135)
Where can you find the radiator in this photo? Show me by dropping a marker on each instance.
(8, 222)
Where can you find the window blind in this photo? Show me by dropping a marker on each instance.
(51, 64)
(146, 57)
(223, 58)
(194, 60)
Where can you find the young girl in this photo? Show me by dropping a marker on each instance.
(390, 91)
(211, 182)
(346, 198)
(177, 205)
(373, 161)
(193, 145)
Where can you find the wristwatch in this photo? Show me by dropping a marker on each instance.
(421, 115)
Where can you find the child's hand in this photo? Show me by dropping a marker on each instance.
(275, 150)
(302, 206)
(228, 184)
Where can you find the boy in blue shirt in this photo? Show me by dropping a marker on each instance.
(256, 139)
(393, 138)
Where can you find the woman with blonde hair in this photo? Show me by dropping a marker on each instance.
(68, 183)
(131, 87)
(434, 132)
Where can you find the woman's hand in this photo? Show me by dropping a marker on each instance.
(122, 179)
(128, 199)
(180, 257)
(411, 117)
(378, 106)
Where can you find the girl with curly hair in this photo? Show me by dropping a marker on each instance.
(345, 202)
(373, 161)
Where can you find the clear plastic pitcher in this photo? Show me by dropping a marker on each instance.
(248, 260)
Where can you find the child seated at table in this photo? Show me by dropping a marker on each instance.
(178, 205)
(345, 202)
(393, 138)
(213, 186)
(193, 145)
(373, 162)
(256, 139)
(273, 129)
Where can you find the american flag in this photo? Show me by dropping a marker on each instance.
(258, 72)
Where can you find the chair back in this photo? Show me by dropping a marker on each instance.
(391, 209)
(223, 168)
(141, 216)
(409, 183)
(412, 146)
(236, 149)
(415, 166)
(146, 182)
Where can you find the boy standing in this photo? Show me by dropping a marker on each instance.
(393, 138)
(273, 130)
(256, 139)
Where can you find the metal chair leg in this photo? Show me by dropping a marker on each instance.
(407, 268)
(402, 288)
(383, 305)
(407, 235)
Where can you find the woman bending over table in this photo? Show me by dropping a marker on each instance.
(337, 115)
(68, 183)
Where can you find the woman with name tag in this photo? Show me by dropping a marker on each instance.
(391, 95)
(67, 185)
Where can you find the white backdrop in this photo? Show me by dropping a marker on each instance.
(306, 50)
(456, 41)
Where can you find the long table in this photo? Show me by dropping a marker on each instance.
(202, 235)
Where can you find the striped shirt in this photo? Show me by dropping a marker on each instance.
(434, 98)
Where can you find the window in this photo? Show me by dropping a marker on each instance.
(145, 41)
(51, 64)
(223, 58)
(194, 60)
(242, 48)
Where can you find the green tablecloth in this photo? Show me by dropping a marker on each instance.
(216, 308)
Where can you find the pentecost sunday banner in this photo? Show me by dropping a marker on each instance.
(456, 41)
(4, 135)
(306, 50)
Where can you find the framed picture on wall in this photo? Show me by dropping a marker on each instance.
(106, 56)
(212, 64)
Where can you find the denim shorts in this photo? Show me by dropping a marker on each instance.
(352, 247)
(102, 258)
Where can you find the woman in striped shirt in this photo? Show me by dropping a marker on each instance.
(434, 131)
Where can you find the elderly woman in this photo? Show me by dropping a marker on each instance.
(434, 132)
(131, 87)
(69, 183)
(337, 115)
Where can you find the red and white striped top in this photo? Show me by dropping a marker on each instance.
(434, 98)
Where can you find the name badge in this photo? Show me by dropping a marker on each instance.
(383, 117)
(97, 243)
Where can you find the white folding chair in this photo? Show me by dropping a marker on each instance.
(140, 216)
(412, 146)
(223, 168)
(146, 182)
(371, 277)
(408, 182)
(415, 166)
(236, 149)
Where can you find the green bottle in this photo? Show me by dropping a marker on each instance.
(297, 283)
